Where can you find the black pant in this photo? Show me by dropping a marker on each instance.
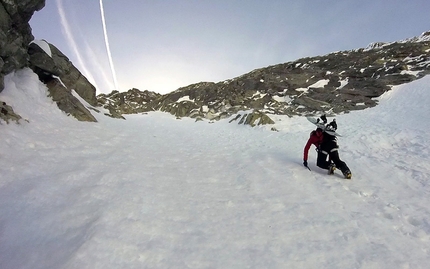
(323, 163)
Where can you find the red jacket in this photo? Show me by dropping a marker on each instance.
(313, 139)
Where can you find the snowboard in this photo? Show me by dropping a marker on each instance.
(320, 124)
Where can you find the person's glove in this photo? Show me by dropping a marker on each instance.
(305, 163)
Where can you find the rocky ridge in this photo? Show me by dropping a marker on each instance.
(335, 83)
(18, 50)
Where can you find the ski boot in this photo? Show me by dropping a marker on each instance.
(331, 169)
(347, 174)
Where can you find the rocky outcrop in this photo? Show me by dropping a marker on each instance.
(130, 102)
(67, 102)
(18, 50)
(334, 83)
(15, 34)
(73, 78)
(61, 77)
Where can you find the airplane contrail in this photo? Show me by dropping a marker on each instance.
(71, 41)
(107, 45)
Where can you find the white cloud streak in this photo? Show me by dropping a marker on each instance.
(71, 42)
(107, 45)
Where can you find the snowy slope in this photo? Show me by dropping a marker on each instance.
(156, 192)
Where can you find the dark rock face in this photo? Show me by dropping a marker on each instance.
(18, 51)
(334, 83)
(67, 102)
(55, 67)
(72, 77)
(15, 34)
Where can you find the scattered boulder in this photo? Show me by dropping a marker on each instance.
(7, 114)
(254, 118)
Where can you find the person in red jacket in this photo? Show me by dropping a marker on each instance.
(326, 143)
(316, 138)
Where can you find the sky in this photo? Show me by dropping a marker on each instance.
(163, 45)
(153, 191)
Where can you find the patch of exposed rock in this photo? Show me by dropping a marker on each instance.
(7, 114)
(130, 102)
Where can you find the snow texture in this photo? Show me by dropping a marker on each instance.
(156, 192)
